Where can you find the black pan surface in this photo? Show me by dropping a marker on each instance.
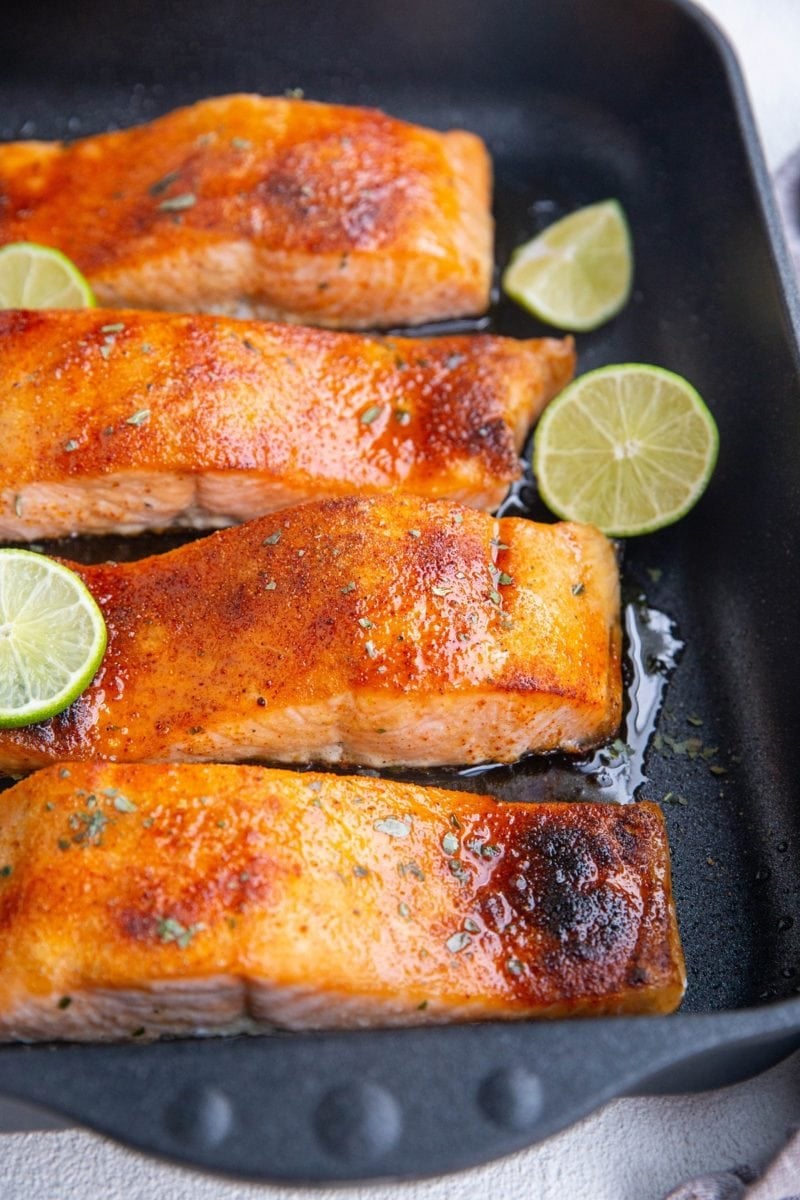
(578, 101)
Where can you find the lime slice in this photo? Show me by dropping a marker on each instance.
(577, 273)
(33, 276)
(627, 448)
(52, 637)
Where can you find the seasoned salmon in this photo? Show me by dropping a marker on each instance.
(384, 630)
(266, 207)
(119, 422)
(142, 900)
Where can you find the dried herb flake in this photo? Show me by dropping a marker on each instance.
(170, 930)
(124, 805)
(178, 203)
(392, 827)
(161, 185)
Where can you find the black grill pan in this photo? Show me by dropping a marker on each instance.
(578, 100)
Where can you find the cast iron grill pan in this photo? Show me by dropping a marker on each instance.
(578, 100)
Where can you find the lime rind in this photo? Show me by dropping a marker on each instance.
(36, 276)
(52, 638)
(578, 273)
(584, 471)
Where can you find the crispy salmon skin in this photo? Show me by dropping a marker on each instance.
(141, 900)
(267, 207)
(380, 631)
(116, 422)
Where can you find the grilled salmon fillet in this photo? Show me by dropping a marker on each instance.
(267, 207)
(142, 900)
(384, 630)
(124, 421)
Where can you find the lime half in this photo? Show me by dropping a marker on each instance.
(52, 637)
(627, 448)
(577, 273)
(33, 276)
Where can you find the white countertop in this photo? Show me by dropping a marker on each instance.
(633, 1149)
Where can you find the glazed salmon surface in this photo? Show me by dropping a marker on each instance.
(268, 207)
(139, 900)
(124, 421)
(380, 631)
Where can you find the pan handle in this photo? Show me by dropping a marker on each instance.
(353, 1106)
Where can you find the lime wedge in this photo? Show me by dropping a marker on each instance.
(577, 273)
(52, 637)
(33, 276)
(627, 448)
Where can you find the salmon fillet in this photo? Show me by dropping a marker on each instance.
(266, 207)
(143, 900)
(120, 422)
(384, 630)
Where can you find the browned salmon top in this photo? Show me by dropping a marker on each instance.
(368, 630)
(272, 206)
(129, 420)
(147, 899)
